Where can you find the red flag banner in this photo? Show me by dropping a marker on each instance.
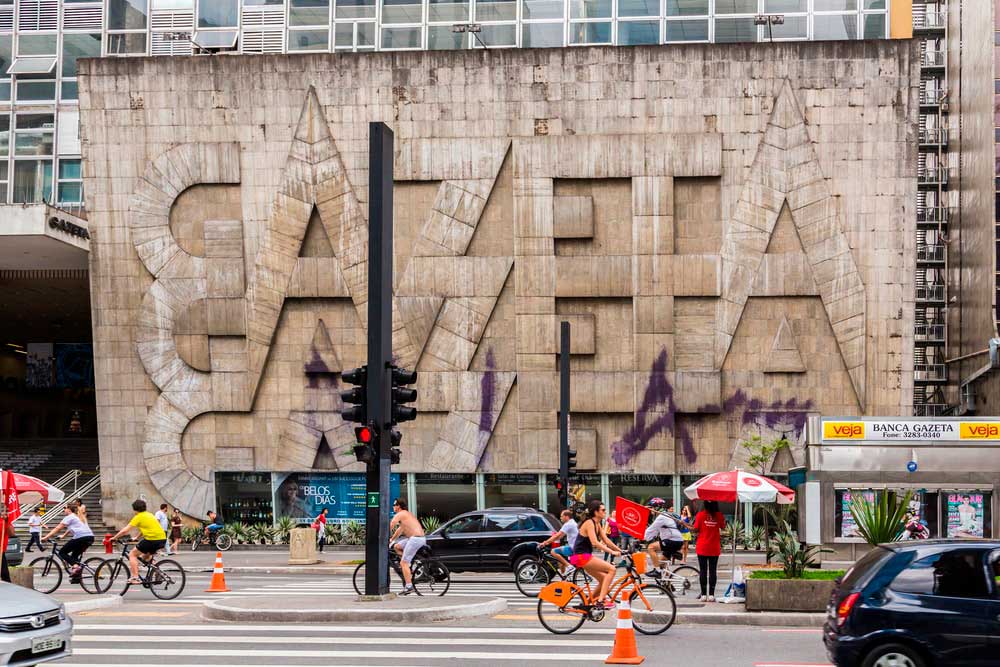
(632, 517)
(10, 507)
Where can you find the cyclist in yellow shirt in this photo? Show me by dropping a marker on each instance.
(153, 539)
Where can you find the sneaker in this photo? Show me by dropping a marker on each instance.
(655, 574)
(407, 590)
(607, 603)
(702, 598)
(711, 598)
(569, 572)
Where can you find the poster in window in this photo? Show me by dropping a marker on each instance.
(915, 521)
(965, 515)
(848, 528)
(303, 495)
(39, 371)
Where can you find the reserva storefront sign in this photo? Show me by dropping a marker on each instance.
(943, 430)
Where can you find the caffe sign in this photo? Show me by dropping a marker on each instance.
(896, 430)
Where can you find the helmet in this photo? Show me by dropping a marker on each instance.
(657, 502)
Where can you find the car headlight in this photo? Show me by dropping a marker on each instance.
(62, 612)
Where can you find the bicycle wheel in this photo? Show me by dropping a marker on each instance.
(683, 579)
(88, 579)
(430, 577)
(531, 577)
(223, 542)
(359, 579)
(565, 619)
(166, 579)
(110, 573)
(48, 574)
(582, 579)
(653, 609)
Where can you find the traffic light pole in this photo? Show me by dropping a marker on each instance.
(379, 385)
(564, 413)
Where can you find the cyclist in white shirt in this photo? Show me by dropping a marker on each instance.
(567, 534)
(663, 536)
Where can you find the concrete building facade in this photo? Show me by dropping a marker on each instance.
(729, 230)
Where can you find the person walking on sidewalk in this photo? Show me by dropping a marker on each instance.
(164, 520)
(708, 523)
(34, 531)
(82, 538)
(406, 525)
(319, 525)
(176, 523)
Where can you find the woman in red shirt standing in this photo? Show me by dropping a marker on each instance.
(708, 523)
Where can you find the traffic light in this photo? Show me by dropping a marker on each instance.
(365, 450)
(562, 493)
(570, 462)
(356, 397)
(402, 394)
(395, 437)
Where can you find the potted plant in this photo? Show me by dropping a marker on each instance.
(799, 585)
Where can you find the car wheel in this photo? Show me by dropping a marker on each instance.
(521, 559)
(894, 655)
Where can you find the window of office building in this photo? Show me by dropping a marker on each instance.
(407, 37)
(443, 38)
(354, 9)
(218, 13)
(127, 14)
(541, 35)
(309, 40)
(354, 35)
(70, 186)
(634, 33)
(6, 60)
(74, 47)
(445, 495)
(309, 12)
(4, 155)
(511, 490)
(32, 181)
(495, 10)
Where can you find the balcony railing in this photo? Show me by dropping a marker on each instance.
(930, 373)
(928, 333)
(932, 58)
(930, 20)
(934, 293)
(932, 176)
(931, 254)
(934, 136)
(933, 214)
(932, 98)
(929, 409)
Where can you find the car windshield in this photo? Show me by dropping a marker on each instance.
(868, 563)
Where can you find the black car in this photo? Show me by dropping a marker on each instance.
(918, 604)
(14, 553)
(491, 540)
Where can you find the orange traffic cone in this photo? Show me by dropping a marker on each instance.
(624, 651)
(218, 584)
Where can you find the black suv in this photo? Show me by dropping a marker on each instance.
(916, 604)
(491, 540)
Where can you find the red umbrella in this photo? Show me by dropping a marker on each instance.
(739, 485)
(34, 488)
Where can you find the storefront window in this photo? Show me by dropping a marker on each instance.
(582, 489)
(640, 488)
(445, 495)
(512, 490)
(844, 525)
(242, 496)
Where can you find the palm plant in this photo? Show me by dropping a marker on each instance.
(354, 533)
(239, 531)
(190, 534)
(283, 527)
(794, 557)
(261, 533)
(333, 533)
(732, 531)
(753, 538)
(883, 520)
(430, 523)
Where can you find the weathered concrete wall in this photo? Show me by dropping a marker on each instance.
(728, 228)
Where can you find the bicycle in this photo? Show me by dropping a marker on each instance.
(533, 574)
(679, 578)
(164, 578)
(564, 606)
(217, 540)
(49, 571)
(430, 576)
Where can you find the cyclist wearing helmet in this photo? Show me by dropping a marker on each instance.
(663, 535)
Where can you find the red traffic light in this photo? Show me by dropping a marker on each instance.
(364, 434)
(559, 486)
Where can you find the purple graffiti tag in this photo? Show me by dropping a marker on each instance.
(784, 416)
(488, 390)
(659, 396)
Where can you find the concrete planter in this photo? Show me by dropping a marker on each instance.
(788, 594)
(23, 576)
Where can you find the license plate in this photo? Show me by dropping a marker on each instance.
(43, 644)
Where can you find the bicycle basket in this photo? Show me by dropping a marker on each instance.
(558, 593)
(641, 562)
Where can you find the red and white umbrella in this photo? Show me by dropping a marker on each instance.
(740, 486)
(31, 489)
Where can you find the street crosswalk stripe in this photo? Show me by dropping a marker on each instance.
(321, 639)
(216, 629)
(402, 656)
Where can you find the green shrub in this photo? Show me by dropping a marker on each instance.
(190, 534)
(239, 531)
(733, 530)
(818, 575)
(261, 533)
(283, 527)
(883, 520)
(430, 523)
(753, 538)
(792, 555)
(333, 533)
(353, 532)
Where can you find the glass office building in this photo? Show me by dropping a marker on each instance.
(41, 40)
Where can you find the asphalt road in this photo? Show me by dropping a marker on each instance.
(151, 632)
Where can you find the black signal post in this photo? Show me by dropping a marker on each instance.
(567, 456)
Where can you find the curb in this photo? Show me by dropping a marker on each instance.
(752, 618)
(94, 603)
(281, 569)
(221, 612)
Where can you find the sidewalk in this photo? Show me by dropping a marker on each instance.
(320, 609)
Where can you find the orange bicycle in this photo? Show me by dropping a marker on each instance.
(564, 606)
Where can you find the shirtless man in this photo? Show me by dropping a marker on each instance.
(404, 524)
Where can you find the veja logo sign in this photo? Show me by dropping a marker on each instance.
(979, 431)
(843, 431)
